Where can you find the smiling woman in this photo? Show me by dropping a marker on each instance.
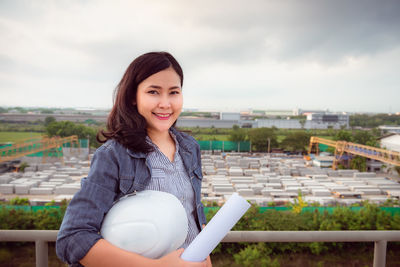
(142, 151)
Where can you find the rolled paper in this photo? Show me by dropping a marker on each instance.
(222, 222)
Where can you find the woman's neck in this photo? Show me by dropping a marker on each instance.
(164, 142)
(159, 137)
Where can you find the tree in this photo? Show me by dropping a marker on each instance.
(237, 134)
(343, 135)
(365, 138)
(302, 122)
(49, 120)
(259, 138)
(359, 163)
(296, 141)
(68, 128)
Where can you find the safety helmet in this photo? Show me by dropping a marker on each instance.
(150, 223)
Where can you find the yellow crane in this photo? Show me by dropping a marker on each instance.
(341, 147)
(27, 147)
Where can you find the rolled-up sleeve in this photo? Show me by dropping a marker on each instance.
(80, 228)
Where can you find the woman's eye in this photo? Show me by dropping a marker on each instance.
(152, 92)
(175, 93)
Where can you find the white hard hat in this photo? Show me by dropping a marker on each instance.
(150, 223)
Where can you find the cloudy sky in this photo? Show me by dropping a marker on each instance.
(260, 54)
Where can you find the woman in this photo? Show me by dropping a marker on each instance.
(142, 151)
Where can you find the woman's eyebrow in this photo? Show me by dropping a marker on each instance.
(159, 87)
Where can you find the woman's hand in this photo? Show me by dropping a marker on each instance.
(174, 259)
(208, 261)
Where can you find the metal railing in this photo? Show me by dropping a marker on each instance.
(42, 237)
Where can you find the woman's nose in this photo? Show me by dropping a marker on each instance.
(164, 102)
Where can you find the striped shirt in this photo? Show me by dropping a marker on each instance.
(171, 177)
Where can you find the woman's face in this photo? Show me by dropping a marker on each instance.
(159, 100)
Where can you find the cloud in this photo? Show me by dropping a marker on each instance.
(272, 54)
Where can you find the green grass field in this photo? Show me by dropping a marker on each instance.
(207, 137)
(16, 136)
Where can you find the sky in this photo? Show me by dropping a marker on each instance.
(260, 54)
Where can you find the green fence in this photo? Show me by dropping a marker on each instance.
(225, 145)
(323, 147)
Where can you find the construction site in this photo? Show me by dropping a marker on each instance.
(56, 166)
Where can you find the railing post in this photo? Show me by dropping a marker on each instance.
(42, 252)
(380, 253)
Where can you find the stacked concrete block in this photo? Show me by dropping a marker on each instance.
(359, 187)
(321, 192)
(257, 188)
(364, 175)
(243, 181)
(264, 170)
(48, 185)
(32, 168)
(245, 192)
(5, 179)
(209, 170)
(67, 189)
(41, 191)
(389, 187)
(44, 166)
(28, 174)
(346, 173)
(222, 171)
(333, 173)
(324, 201)
(244, 163)
(350, 194)
(320, 177)
(348, 202)
(223, 189)
(22, 189)
(254, 165)
(393, 193)
(219, 164)
(267, 191)
(205, 191)
(235, 171)
(274, 180)
(286, 184)
(283, 195)
(296, 189)
(261, 180)
(7, 189)
(370, 191)
(284, 171)
(339, 188)
(241, 186)
(250, 172)
(377, 199)
(58, 181)
(294, 172)
(274, 185)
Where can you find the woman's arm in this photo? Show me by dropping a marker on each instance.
(104, 254)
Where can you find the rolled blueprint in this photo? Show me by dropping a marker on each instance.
(216, 229)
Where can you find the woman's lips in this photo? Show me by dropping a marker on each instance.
(162, 116)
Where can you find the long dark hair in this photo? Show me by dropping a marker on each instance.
(124, 123)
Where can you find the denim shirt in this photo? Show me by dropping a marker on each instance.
(116, 171)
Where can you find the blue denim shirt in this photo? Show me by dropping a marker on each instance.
(116, 171)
